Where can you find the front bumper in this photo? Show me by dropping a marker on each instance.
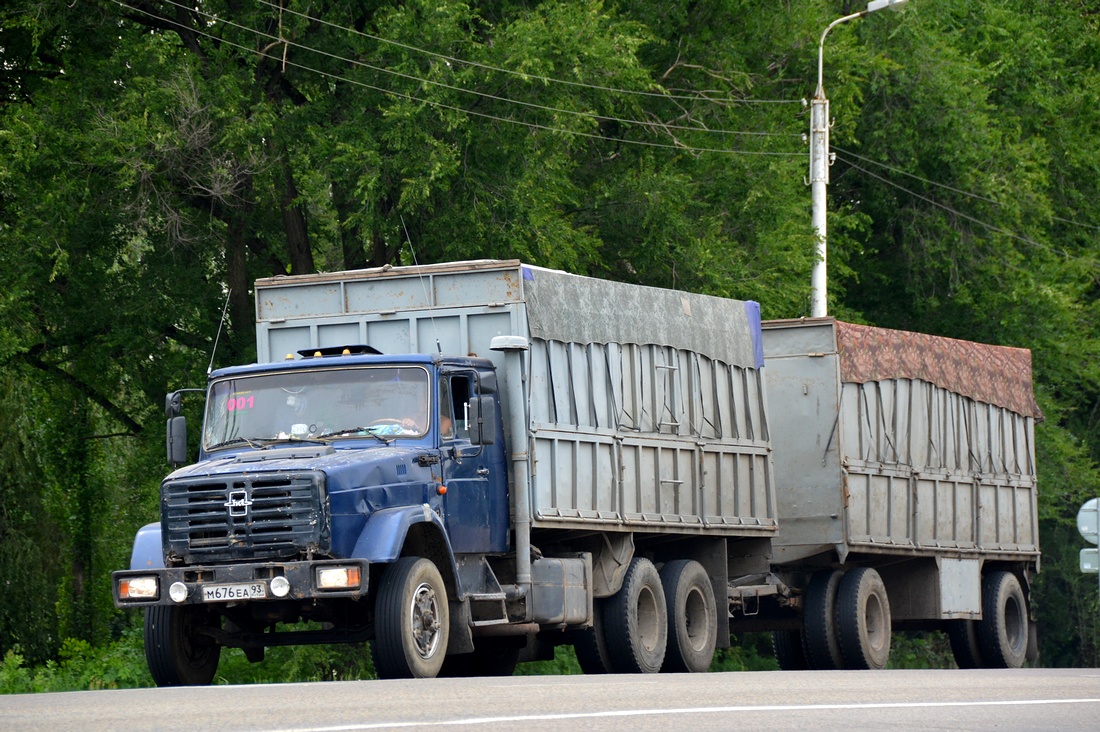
(231, 583)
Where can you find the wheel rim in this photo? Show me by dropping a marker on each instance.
(648, 617)
(424, 620)
(696, 620)
(875, 618)
(1014, 624)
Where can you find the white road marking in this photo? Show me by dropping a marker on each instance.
(687, 710)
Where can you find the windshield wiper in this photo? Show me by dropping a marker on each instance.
(259, 443)
(354, 432)
(253, 442)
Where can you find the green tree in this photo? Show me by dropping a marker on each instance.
(158, 156)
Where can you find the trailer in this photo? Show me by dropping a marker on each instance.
(905, 466)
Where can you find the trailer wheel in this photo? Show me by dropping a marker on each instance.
(1003, 629)
(590, 645)
(790, 652)
(692, 619)
(411, 621)
(822, 647)
(863, 614)
(177, 654)
(636, 621)
(963, 635)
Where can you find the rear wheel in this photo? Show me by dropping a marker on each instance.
(963, 635)
(1003, 629)
(790, 653)
(692, 620)
(590, 644)
(863, 615)
(177, 653)
(636, 621)
(411, 621)
(822, 646)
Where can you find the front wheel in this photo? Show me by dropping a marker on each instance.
(177, 652)
(819, 630)
(411, 621)
(863, 619)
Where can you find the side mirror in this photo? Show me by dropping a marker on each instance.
(177, 440)
(484, 429)
(173, 403)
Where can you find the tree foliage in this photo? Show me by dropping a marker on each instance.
(158, 156)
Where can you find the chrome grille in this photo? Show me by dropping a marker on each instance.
(245, 517)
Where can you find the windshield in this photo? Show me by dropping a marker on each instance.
(368, 401)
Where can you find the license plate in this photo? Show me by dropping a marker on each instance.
(242, 591)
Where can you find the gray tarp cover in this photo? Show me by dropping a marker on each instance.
(571, 308)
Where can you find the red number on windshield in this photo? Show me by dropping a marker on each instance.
(240, 403)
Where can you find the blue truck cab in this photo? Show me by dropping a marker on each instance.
(315, 475)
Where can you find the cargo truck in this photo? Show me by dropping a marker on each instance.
(469, 464)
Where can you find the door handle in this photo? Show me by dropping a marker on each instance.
(482, 472)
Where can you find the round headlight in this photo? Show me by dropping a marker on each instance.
(178, 592)
(280, 586)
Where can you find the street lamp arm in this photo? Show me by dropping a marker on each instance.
(872, 6)
(820, 93)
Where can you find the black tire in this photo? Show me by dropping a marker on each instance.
(863, 620)
(1032, 658)
(692, 618)
(790, 651)
(177, 654)
(636, 621)
(491, 657)
(590, 644)
(1003, 629)
(819, 626)
(411, 621)
(963, 635)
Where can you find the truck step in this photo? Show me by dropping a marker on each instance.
(488, 609)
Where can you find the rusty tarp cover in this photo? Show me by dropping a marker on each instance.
(997, 375)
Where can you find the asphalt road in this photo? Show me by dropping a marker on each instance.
(1029, 699)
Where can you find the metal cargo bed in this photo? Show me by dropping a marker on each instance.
(900, 443)
(644, 408)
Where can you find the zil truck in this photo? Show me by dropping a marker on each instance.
(468, 464)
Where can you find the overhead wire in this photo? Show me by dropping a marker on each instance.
(411, 77)
(420, 80)
(534, 125)
(525, 75)
(951, 210)
(950, 188)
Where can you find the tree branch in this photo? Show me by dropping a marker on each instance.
(87, 390)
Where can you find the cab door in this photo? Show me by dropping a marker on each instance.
(476, 500)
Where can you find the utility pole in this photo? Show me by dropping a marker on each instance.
(821, 159)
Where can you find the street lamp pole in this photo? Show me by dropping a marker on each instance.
(820, 160)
